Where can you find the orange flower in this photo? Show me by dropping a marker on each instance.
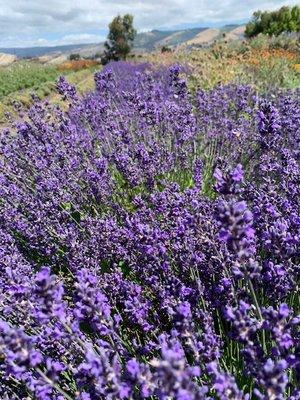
(297, 67)
(76, 65)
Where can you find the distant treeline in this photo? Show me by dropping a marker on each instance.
(286, 19)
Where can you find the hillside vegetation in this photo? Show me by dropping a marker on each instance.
(261, 62)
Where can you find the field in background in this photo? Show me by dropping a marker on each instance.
(261, 62)
(23, 78)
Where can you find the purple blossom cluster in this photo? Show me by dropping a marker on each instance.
(150, 243)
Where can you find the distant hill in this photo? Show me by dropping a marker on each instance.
(23, 52)
(144, 42)
(151, 40)
(209, 35)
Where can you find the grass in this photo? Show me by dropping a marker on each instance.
(42, 84)
(24, 75)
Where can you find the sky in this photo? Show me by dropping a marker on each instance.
(26, 23)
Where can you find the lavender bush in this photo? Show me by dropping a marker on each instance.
(150, 243)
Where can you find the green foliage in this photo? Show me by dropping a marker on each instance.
(166, 49)
(120, 39)
(25, 75)
(282, 41)
(74, 57)
(19, 85)
(286, 19)
(279, 73)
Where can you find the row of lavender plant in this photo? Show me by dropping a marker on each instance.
(128, 271)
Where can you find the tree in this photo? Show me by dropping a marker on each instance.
(286, 19)
(166, 49)
(74, 57)
(120, 38)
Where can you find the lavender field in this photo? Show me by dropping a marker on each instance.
(150, 242)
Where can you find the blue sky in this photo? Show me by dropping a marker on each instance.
(58, 22)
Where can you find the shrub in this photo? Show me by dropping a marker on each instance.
(166, 49)
(74, 57)
(286, 19)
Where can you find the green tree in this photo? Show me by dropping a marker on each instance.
(74, 57)
(120, 38)
(286, 19)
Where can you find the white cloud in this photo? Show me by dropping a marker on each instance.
(35, 21)
(76, 38)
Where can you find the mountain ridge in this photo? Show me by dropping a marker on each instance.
(144, 42)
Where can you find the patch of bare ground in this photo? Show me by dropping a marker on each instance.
(6, 59)
(206, 36)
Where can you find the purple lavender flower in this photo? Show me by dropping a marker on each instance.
(236, 228)
(119, 277)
